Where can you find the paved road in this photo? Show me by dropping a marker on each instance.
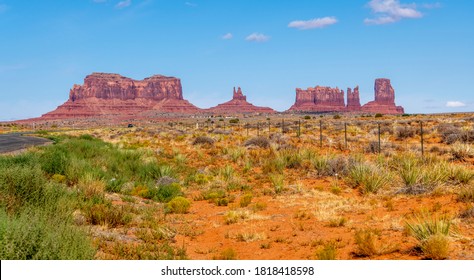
(16, 141)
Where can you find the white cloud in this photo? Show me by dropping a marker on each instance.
(313, 23)
(190, 4)
(227, 36)
(257, 37)
(123, 4)
(389, 11)
(455, 104)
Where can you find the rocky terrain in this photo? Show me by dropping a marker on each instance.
(239, 104)
(326, 99)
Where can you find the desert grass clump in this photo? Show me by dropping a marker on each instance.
(245, 200)
(461, 152)
(278, 182)
(203, 140)
(290, 157)
(234, 216)
(227, 254)
(461, 174)
(432, 233)
(436, 247)
(327, 252)
(466, 194)
(178, 205)
(107, 215)
(227, 173)
(260, 141)
(368, 178)
(368, 244)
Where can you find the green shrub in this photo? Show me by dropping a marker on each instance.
(245, 200)
(178, 205)
(32, 235)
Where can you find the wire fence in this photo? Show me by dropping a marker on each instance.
(366, 136)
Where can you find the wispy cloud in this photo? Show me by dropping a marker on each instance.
(455, 104)
(313, 23)
(228, 36)
(257, 37)
(123, 4)
(389, 11)
(190, 4)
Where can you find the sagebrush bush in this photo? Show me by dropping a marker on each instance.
(261, 142)
(203, 140)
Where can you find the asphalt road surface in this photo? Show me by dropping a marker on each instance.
(16, 141)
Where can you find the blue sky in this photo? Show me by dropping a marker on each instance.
(267, 47)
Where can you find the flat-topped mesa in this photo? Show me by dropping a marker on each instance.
(353, 100)
(114, 86)
(239, 105)
(104, 94)
(319, 99)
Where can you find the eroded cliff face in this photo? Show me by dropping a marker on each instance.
(319, 99)
(114, 86)
(239, 104)
(384, 100)
(115, 95)
(326, 99)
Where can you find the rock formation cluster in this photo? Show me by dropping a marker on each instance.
(326, 99)
(113, 95)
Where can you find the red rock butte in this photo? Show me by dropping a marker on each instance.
(239, 105)
(326, 99)
(105, 94)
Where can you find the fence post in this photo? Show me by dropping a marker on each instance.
(258, 129)
(380, 149)
(422, 140)
(268, 128)
(247, 129)
(345, 136)
(320, 133)
(283, 126)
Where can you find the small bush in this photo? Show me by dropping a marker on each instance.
(261, 142)
(423, 226)
(367, 243)
(245, 200)
(178, 205)
(203, 140)
(466, 194)
(106, 214)
(404, 132)
(328, 252)
(378, 115)
(461, 151)
(436, 247)
(227, 254)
